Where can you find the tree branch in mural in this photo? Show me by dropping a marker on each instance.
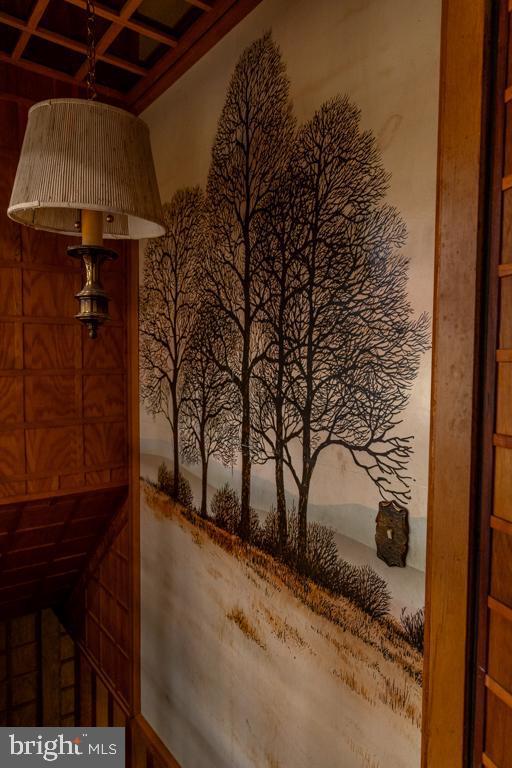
(209, 422)
(308, 338)
(167, 310)
(248, 159)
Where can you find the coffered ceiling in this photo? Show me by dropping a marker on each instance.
(142, 46)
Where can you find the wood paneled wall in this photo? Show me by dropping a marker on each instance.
(96, 703)
(37, 671)
(99, 612)
(45, 544)
(63, 411)
(493, 668)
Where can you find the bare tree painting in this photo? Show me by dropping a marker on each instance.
(279, 340)
(353, 348)
(209, 423)
(167, 310)
(306, 337)
(248, 158)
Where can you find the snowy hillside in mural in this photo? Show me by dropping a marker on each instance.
(242, 627)
(353, 527)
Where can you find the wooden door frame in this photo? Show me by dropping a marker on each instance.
(461, 208)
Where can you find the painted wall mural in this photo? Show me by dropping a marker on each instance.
(281, 349)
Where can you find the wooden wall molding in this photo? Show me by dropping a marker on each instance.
(148, 750)
(456, 317)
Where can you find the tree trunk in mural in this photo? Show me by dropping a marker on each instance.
(210, 413)
(175, 440)
(167, 310)
(203, 510)
(248, 158)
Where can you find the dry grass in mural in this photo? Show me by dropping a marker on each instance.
(352, 681)
(371, 657)
(398, 698)
(367, 761)
(238, 616)
(283, 630)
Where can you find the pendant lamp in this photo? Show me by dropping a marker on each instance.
(86, 169)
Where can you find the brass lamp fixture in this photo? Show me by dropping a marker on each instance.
(86, 169)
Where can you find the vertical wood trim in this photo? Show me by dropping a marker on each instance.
(134, 464)
(145, 739)
(458, 240)
(491, 290)
(50, 656)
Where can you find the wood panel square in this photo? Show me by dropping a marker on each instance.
(36, 537)
(103, 395)
(7, 346)
(24, 715)
(104, 444)
(10, 233)
(50, 398)
(23, 630)
(85, 528)
(51, 346)
(11, 399)
(53, 449)
(25, 689)
(97, 478)
(497, 731)
(506, 224)
(504, 403)
(506, 312)
(12, 454)
(107, 351)
(500, 649)
(9, 516)
(43, 484)
(45, 249)
(28, 558)
(11, 488)
(114, 285)
(503, 483)
(42, 513)
(68, 482)
(50, 294)
(10, 292)
(12, 577)
(501, 583)
(24, 659)
(9, 130)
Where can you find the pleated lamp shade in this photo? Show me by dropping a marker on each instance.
(83, 155)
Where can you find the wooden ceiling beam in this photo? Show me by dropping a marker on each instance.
(34, 19)
(203, 4)
(67, 42)
(196, 41)
(129, 23)
(110, 35)
(40, 69)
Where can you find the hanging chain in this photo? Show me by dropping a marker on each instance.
(91, 50)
